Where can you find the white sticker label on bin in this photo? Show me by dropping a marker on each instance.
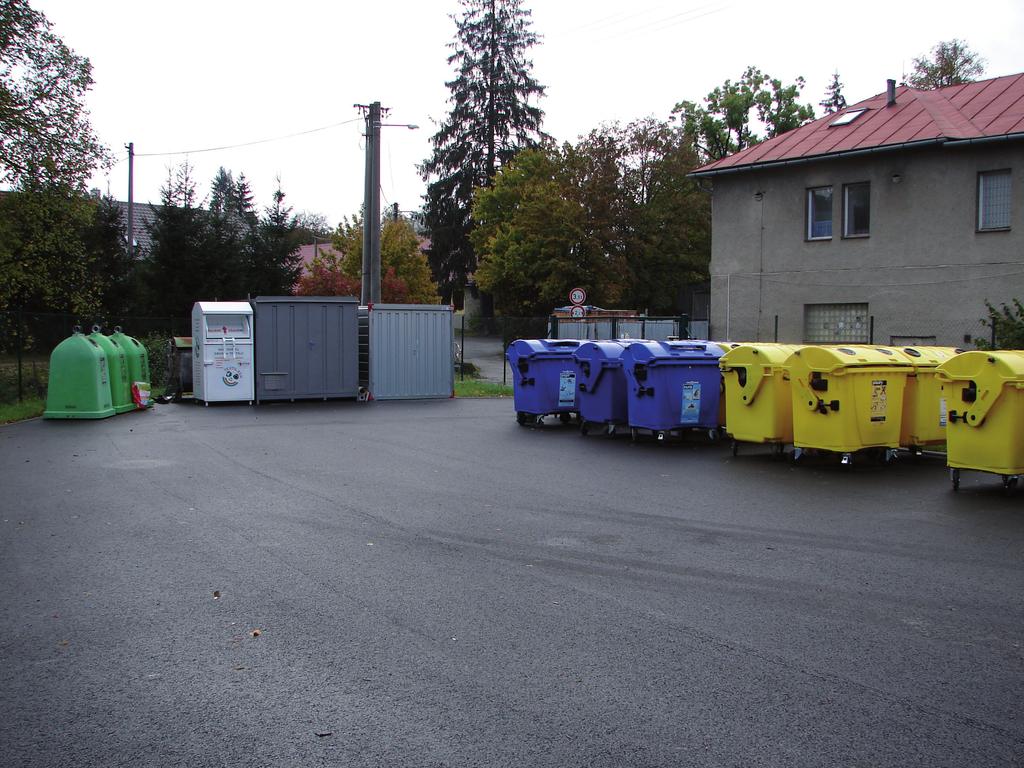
(691, 403)
(879, 400)
(942, 412)
(567, 389)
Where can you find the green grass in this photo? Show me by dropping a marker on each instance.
(480, 388)
(31, 407)
(27, 409)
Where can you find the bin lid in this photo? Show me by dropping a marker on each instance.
(607, 352)
(834, 359)
(926, 356)
(182, 342)
(223, 307)
(674, 352)
(757, 354)
(982, 366)
(550, 348)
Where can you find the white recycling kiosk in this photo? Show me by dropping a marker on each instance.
(222, 349)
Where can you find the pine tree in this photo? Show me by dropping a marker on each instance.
(276, 265)
(834, 100)
(110, 264)
(176, 272)
(491, 119)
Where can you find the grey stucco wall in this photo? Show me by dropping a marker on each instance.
(924, 270)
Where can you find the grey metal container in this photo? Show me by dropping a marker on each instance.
(307, 347)
(409, 351)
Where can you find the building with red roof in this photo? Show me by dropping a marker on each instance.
(891, 221)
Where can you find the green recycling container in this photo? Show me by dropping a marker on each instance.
(138, 366)
(117, 364)
(79, 386)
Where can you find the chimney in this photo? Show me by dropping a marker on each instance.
(890, 93)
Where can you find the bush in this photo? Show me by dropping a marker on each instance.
(157, 346)
(1008, 322)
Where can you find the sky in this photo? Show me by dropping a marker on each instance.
(193, 78)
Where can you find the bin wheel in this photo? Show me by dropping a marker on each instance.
(539, 420)
(846, 460)
(797, 455)
(565, 418)
(521, 418)
(584, 427)
(713, 434)
(954, 478)
(889, 455)
(1009, 483)
(735, 447)
(610, 431)
(634, 434)
(660, 436)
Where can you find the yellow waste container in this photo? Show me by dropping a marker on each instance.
(847, 398)
(985, 406)
(924, 415)
(758, 403)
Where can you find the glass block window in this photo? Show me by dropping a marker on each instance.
(836, 324)
(994, 200)
(819, 213)
(857, 210)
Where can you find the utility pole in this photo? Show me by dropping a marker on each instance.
(370, 293)
(131, 200)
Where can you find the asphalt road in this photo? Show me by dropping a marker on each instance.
(488, 355)
(435, 586)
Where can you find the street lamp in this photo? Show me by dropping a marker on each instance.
(370, 293)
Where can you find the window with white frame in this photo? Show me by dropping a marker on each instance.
(994, 200)
(857, 209)
(819, 213)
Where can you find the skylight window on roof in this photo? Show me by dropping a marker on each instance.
(847, 117)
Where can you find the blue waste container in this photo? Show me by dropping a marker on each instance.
(673, 386)
(601, 385)
(543, 378)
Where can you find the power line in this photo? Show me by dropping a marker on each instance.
(249, 143)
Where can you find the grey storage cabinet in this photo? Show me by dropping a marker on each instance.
(408, 351)
(307, 347)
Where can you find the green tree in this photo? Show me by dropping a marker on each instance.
(722, 125)
(530, 233)
(276, 265)
(666, 217)
(834, 101)
(45, 134)
(615, 213)
(181, 268)
(1008, 322)
(950, 62)
(111, 269)
(491, 119)
(44, 264)
(405, 273)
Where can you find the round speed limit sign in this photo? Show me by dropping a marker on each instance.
(577, 296)
(577, 312)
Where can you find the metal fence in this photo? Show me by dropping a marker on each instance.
(983, 333)
(28, 338)
(508, 329)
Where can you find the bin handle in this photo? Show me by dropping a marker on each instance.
(755, 378)
(975, 415)
(810, 397)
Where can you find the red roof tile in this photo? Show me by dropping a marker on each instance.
(960, 112)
